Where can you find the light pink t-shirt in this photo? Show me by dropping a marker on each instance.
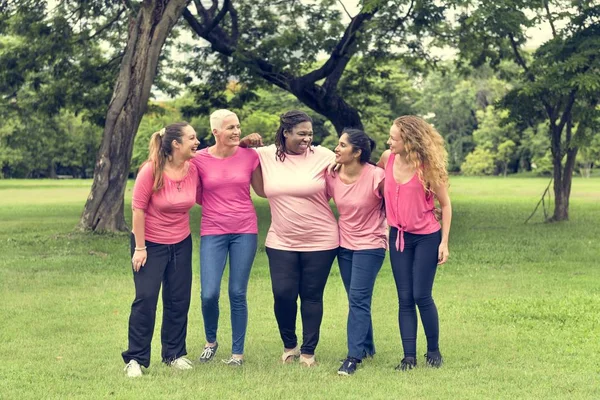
(227, 207)
(301, 219)
(407, 207)
(167, 217)
(360, 205)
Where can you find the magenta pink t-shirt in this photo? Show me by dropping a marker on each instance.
(301, 218)
(167, 217)
(227, 207)
(407, 207)
(360, 205)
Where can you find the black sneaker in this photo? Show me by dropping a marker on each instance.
(208, 353)
(434, 359)
(348, 366)
(406, 364)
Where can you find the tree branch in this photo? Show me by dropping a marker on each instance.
(345, 9)
(566, 116)
(106, 26)
(550, 20)
(216, 20)
(343, 51)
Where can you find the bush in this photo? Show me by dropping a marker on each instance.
(478, 162)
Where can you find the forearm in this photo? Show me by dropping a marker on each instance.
(446, 222)
(139, 227)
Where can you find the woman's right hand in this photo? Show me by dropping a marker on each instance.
(139, 259)
(333, 168)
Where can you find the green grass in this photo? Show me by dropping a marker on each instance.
(519, 308)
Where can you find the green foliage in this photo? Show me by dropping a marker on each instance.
(478, 162)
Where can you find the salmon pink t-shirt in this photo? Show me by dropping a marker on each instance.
(362, 218)
(301, 218)
(227, 207)
(167, 217)
(407, 206)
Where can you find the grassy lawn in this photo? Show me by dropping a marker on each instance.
(519, 308)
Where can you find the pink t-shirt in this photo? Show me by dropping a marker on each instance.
(301, 219)
(167, 217)
(360, 205)
(407, 207)
(227, 207)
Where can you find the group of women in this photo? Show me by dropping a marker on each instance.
(304, 238)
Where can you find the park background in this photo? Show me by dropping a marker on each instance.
(518, 110)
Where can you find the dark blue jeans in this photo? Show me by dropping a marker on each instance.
(414, 271)
(213, 257)
(359, 269)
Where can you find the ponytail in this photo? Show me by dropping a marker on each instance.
(160, 149)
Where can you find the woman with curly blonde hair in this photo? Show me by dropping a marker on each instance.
(415, 173)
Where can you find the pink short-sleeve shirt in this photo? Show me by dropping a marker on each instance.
(227, 206)
(301, 218)
(360, 206)
(167, 217)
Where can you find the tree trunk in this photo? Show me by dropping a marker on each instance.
(147, 34)
(563, 177)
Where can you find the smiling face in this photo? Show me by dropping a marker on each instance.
(299, 139)
(189, 142)
(344, 152)
(395, 140)
(230, 131)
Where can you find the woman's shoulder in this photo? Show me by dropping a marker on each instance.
(264, 150)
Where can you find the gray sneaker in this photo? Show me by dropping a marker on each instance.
(208, 353)
(234, 362)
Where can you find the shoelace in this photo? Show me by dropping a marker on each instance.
(232, 360)
(208, 352)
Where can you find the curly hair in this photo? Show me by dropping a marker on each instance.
(425, 150)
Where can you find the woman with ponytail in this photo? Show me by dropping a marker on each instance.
(303, 238)
(161, 247)
(357, 190)
(415, 174)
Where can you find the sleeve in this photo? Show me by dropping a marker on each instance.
(329, 182)
(142, 189)
(255, 160)
(378, 177)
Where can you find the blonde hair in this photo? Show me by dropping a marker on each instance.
(217, 117)
(425, 150)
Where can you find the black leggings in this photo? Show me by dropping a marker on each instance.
(302, 273)
(414, 271)
(171, 266)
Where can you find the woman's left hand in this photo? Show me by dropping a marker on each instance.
(443, 253)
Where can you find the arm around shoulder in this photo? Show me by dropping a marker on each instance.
(384, 159)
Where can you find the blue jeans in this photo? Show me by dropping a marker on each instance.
(213, 256)
(358, 269)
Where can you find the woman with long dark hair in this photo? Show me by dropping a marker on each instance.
(357, 189)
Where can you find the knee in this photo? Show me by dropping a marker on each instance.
(237, 296)
(423, 300)
(209, 297)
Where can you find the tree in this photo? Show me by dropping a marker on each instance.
(148, 32)
(560, 81)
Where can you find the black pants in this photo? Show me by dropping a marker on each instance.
(302, 273)
(170, 265)
(414, 271)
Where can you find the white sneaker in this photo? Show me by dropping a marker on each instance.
(133, 369)
(181, 363)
